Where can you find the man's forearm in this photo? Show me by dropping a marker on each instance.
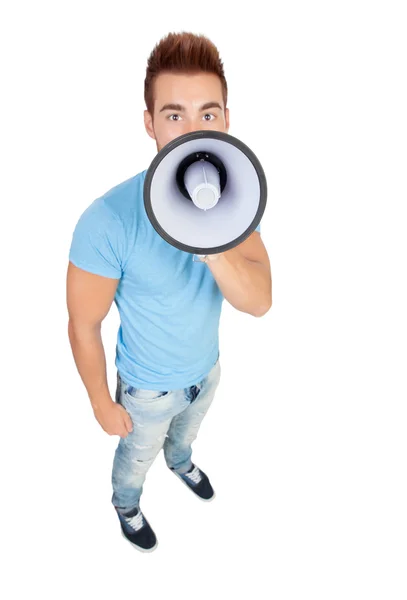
(244, 283)
(90, 360)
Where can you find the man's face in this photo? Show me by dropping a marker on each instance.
(185, 103)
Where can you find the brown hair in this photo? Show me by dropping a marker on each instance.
(182, 53)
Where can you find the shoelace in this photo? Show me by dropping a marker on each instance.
(194, 475)
(136, 522)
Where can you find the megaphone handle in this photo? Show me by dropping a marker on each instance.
(199, 257)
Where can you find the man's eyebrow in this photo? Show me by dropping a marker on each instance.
(210, 105)
(180, 108)
(177, 107)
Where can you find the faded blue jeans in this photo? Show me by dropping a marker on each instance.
(168, 420)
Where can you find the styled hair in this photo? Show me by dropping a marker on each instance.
(182, 53)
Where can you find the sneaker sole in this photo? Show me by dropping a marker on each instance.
(139, 548)
(191, 490)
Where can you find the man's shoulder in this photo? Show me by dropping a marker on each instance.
(101, 235)
(124, 197)
(116, 208)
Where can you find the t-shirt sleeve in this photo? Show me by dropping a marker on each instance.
(98, 242)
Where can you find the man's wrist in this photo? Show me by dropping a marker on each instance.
(101, 402)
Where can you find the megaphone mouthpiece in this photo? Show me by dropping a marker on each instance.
(202, 181)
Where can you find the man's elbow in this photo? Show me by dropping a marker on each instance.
(78, 329)
(262, 310)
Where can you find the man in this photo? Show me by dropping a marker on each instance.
(167, 353)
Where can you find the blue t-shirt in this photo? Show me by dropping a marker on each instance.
(169, 305)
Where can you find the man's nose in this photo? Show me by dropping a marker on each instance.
(191, 126)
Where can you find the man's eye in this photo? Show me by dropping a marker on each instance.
(209, 115)
(173, 116)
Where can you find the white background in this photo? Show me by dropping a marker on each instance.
(305, 443)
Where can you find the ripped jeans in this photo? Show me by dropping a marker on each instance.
(168, 420)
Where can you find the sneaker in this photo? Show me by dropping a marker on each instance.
(198, 482)
(137, 530)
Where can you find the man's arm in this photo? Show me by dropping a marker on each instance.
(243, 275)
(89, 298)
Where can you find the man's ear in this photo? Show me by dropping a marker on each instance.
(148, 124)
(227, 119)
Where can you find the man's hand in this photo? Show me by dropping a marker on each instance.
(114, 419)
(243, 275)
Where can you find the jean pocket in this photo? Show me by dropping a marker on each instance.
(140, 394)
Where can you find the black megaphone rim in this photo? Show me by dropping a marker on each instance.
(196, 135)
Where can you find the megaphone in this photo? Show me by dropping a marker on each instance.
(205, 192)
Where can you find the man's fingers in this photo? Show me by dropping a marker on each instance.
(128, 422)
